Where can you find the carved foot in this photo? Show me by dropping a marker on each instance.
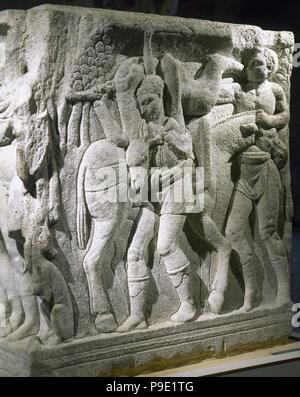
(51, 339)
(133, 322)
(3, 332)
(17, 314)
(282, 298)
(246, 307)
(251, 301)
(105, 323)
(216, 300)
(27, 329)
(186, 312)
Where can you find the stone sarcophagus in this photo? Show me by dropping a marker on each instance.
(145, 202)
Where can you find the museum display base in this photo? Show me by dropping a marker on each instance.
(158, 347)
(277, 361)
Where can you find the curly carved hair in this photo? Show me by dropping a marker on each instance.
(151, 84)
(270, 56)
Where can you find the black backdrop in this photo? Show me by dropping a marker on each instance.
(268, 14)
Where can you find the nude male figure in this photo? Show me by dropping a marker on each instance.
(259, 182)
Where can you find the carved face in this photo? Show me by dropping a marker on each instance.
(257, 69)
(150, 106)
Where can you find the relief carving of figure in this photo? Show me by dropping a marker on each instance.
(11, 263)
(166, 143)
(24, 313)
(98, 199)
(173, 152)
(28, 176)
(50, 286)
(259, 182)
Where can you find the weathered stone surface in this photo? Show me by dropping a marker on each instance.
(105, 118)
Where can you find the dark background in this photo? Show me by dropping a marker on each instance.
(268, 14)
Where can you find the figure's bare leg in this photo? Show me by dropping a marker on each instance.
(177, 264)
(16, 316)
(223, 251)
(138, 277)
(238, 232)
(62, 321)
(4, 325)
(268, 212)
(8, 270)
(31, 324)
(94, 261)
(207, 230)
(29, 309)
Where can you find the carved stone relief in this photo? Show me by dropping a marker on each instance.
(144, 186)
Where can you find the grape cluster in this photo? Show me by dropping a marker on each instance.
(95, 63)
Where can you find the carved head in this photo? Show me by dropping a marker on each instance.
(261, 65)
(150, 94)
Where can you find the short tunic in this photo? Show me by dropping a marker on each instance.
(176, 155)
(256, 168)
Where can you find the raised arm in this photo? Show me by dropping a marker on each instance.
(126, 81)
(110, 126)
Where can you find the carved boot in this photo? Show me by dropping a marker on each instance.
(252, 294)
(137, 294)
(187, 310)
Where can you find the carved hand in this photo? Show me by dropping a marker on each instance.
(263, 119)
(157, 141)
(157, 133)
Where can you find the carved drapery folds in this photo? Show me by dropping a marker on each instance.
(114, 119)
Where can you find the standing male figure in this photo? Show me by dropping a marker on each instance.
(259, 184)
